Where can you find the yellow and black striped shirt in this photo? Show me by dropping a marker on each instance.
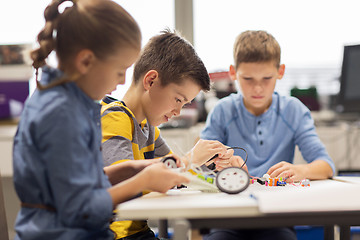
(125, 139)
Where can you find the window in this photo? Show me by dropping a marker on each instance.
(152, 16)
(21, 20)
(311, 35)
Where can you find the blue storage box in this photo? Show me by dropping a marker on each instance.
(309, 232)
(12, 97)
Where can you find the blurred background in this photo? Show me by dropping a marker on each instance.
(312, 35)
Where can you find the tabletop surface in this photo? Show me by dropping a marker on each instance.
(340, 194)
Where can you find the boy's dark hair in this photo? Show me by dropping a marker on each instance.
(256, 46)
(174, 58)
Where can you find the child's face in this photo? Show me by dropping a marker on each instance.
(161, 103)
(104, 75)
(257, 82)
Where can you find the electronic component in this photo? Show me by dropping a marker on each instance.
(261, 180)
(305, 183)
(281, 183)
(170, 162)
(199, 183)
(266, 176)
(246, 157)
(232, 180)
(268, 181)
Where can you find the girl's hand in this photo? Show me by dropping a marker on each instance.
(159, 178)
(139, 165)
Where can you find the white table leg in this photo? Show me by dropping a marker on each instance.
(181, 229)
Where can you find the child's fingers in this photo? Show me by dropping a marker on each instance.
(228, 154)
(208, 163)
(219, 168)
(286, 174)
(245, 168)
(152, 161)
(181, 179)
(278, 172)
(179, 161)
(214, 154)
(220, 151)
(223, 163)
(272, 170)
(216, 145)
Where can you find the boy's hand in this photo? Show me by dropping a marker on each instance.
(222, 162)
(289, 171)
(206, 149)
(160, 179)
(233, 161)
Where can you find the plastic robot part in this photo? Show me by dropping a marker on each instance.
(170, 162)
(305, 183)
(281, 183)
(203, 185)
(269, 181)
(261, 180)
(232, 180)
(199, 184)
(266, 176)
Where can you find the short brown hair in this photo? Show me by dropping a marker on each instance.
(101, 26)
(174, 58)
(256, 46)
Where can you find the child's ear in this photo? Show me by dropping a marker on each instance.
(150, 78)
(232, 72)
(84, 61)
(281, 71)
